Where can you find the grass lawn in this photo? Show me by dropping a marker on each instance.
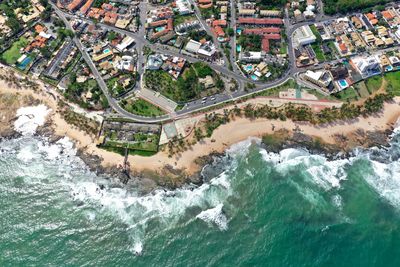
(393, 82)
(318, 52)
(362, 90)
(315, 32)
(283, 49)
(142, 107)
(13, 54)
(179, 19)
(373, 83)
(348, 94)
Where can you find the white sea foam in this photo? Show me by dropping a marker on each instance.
(29, 118)
(215, 216)
(137, 248)
(242, 148)
(386, 181)
(337, 201)
(326, 174)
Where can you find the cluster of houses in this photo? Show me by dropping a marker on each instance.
(32, 13)
(36, 40)
(303, 10)
(263, 22)
(347, 36)
(336, 77)
(174, 66)
(218, 25)
(113, 53)
(160, 23)
(118, 15)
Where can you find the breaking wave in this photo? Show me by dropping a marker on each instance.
(37, 160)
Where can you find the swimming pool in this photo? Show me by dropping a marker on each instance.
(24, 63)
(239, 31)
(254, 77)
(106, 51)
(238, 48)
(343, 83)
(248, 68)
(161, 28)
(389, 68)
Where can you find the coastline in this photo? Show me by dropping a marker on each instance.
(184, 167)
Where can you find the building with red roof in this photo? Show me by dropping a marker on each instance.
(219, 22)
(75, 4)
(219, 31)
(86, 6)
(262, 31)
(260, 21)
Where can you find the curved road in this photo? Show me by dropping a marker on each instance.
(193, 106)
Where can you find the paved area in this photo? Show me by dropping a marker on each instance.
(157, 99)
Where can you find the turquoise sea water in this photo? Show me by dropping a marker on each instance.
(264, 209)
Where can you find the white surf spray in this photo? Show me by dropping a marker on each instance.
(29, 118)
(327, 174)
(215, 216)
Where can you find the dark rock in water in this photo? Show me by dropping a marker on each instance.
(101, 187)
(9, 134)
(80, 203)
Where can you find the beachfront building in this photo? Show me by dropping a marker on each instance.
(321, 78)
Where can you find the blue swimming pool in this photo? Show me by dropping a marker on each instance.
(343, 83)
(389, 68)
(254, 77)
(248, 68)
(238, 48)
(24, 63)
(106, 51)
(161, 28)
(239, 31)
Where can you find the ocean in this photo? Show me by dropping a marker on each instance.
(257, 208)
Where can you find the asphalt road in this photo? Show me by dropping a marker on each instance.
(196, 105)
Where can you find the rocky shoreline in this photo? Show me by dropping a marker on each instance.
(171, 178)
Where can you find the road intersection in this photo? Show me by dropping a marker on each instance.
(197, 105)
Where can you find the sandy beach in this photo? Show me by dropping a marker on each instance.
(226, 135)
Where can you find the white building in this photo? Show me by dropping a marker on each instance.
(321, 77)
(368, 66)
(250, 57)
(192, 46)
(304, 36)
(183, 7)
(126, 42)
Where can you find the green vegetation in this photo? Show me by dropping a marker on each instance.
(78, 93)
(250, 42)
(117, 86)
(348, 95)
(344, 6)
(143, 144)
(373, 83)
(8, 9)
(393, 83)
(187, 86)
(13, 54)
(318, 52)
(179, 19)
(141, 107)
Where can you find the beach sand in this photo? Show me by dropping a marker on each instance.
(226, 135)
